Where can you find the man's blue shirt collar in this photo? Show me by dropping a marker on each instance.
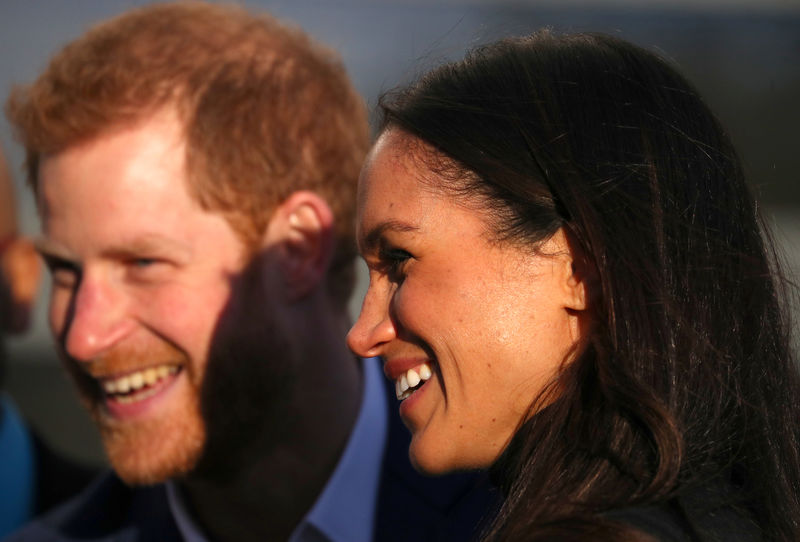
(345, 510)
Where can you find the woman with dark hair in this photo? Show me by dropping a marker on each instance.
(569, 283)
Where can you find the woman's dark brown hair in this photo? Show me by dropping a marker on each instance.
(688, 382)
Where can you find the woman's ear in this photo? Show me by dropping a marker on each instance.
(578, 289)
(577, 276)
(301, 232)
(20, 272)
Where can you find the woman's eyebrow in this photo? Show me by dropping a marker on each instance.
(372, 238)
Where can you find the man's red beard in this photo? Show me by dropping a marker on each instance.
(227, 409)
(161, 446)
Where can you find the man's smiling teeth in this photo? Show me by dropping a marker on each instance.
(131, 383)
(408, 381)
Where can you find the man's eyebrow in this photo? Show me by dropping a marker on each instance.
(152, 245)
(49, 249)
(148, 245)
(372, 238)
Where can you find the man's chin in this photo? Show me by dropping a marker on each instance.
(151, 455)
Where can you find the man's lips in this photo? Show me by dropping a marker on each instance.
(135, 385)
(136, 380)
(130, 395)
(408, 375)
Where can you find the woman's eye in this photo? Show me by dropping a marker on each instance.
(393, 260)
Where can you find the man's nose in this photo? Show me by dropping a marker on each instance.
(98, 319)
(374, 327)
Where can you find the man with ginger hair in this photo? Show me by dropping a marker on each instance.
(195, 167)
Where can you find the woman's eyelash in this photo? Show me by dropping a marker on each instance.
(393, 259)
(394, 254)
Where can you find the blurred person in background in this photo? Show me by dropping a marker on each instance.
(561, 239)
(195, 169)
(33, 478)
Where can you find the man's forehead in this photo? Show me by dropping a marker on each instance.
(131, 179)
(152, 144)
(165, 117)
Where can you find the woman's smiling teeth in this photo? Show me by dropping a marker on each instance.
(410, 380)
(125, 388)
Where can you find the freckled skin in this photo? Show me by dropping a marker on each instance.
(458, 300)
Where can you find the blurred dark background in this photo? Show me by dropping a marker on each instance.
(743, 55)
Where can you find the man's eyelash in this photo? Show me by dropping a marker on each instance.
(142, 262)
(58, 264)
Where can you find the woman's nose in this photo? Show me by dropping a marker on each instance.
(373, 328)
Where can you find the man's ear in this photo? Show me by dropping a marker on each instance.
(21, 271)
(301, 234)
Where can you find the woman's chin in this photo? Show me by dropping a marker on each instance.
(429, 468)
(427, 459)
(433, 459)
